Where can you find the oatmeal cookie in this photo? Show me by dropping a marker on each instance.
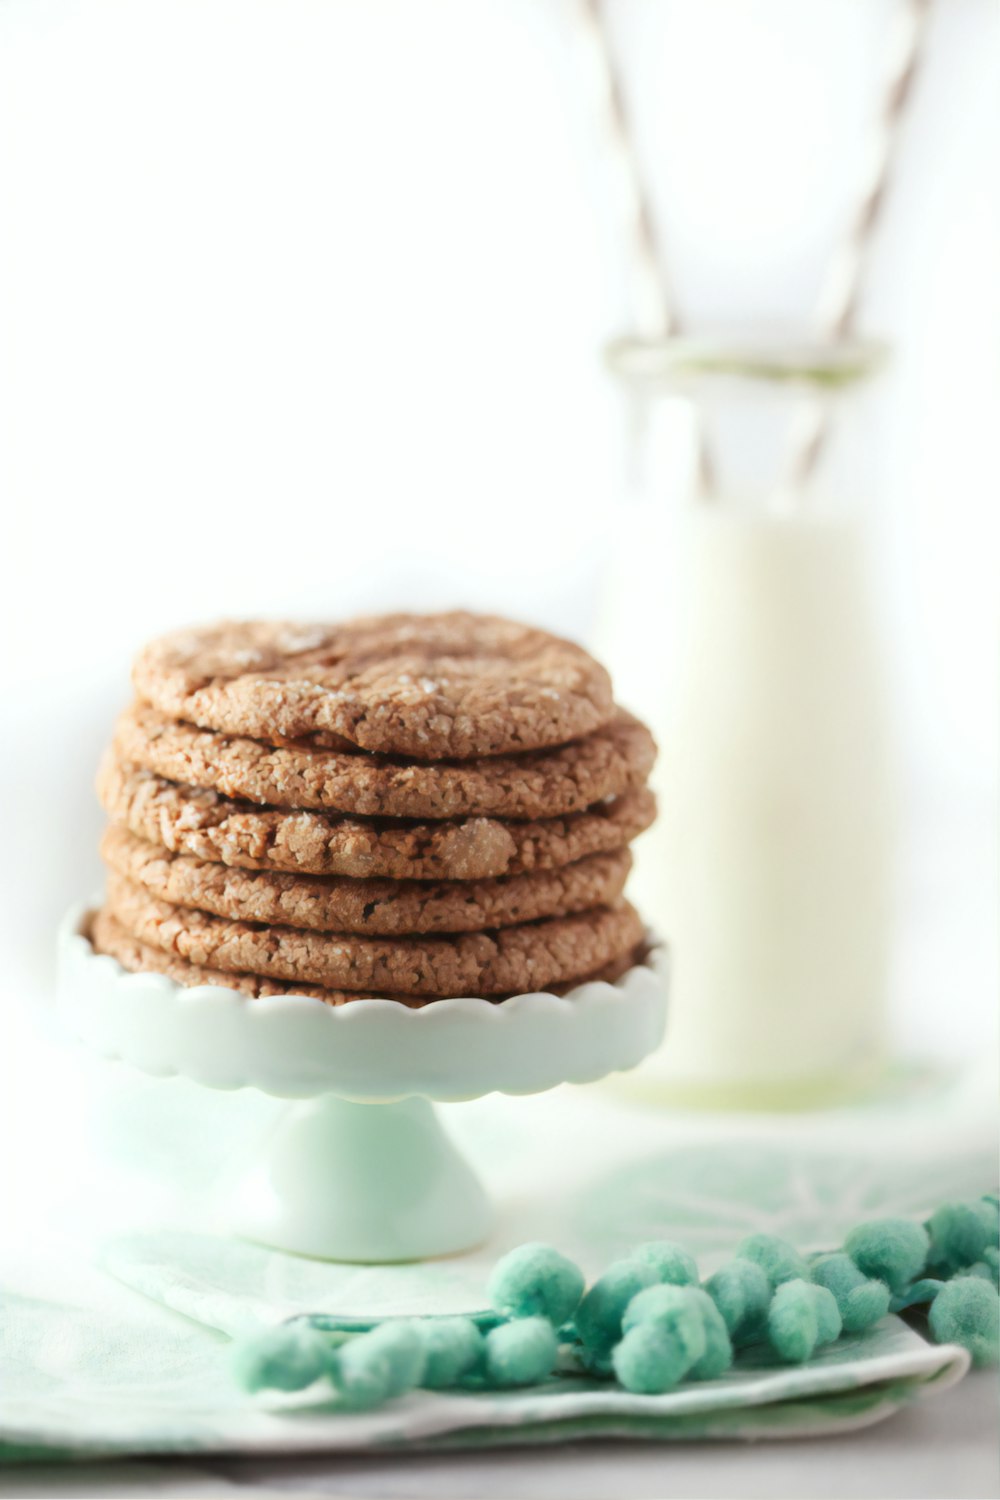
(430, 687)
(510, 960)
(388, 908)
(188, 820)
(609, 762)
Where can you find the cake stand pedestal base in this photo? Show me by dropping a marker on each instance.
(361, 1182)
(360, 1169)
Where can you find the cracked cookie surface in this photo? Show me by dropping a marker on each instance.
(426, 686)
(108, 936)
(188, 820)
(609, 762)
(377, 907)
(510, 960)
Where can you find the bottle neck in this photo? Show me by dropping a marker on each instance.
(776, 429)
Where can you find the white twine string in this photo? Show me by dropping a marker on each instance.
(654, 306)
(655, 309)
(840, 296)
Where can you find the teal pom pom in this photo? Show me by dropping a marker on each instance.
(648, 1362)
(522, 1352)
(959, 1234)
(718, 1355)
(889, 1250)
(800, 1318)
(991, 1258)
(979, 1268)
(966, 1311)
(286, 1358)
(779, 1260)
(689, 1321)
(865, 1306)
(535, 1281)
(742, 1293)
(675, 1312)
(453, 1347)
(669, 1261)
(671, 1332)
(860, 1301)
(828, 1317)
(792, 1322)
(375, 1366)
(988, 1209)
(599, 1316)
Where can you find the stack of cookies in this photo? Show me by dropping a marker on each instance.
(409, 807)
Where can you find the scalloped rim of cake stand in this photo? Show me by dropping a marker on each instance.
(295, 1047)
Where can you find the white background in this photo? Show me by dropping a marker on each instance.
(301, 304)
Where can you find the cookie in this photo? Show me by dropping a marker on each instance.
(187, 820)
(388, 908)
(427, 686)
(609, 762)
(510, 960)
(108, 936)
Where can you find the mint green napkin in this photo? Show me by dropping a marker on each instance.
(102, 1372)
(119, 1298)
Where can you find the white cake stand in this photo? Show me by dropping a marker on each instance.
(363, 1171)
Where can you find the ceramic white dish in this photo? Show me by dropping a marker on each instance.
(364, 1171)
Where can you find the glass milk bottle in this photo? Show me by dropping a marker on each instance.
(740, 621)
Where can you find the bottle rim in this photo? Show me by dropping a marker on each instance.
(678, 362)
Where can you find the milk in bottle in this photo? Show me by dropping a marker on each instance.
(746, 635)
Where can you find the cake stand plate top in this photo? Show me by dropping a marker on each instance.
(296, 1047)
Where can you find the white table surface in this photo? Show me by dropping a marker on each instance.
(946, 1446)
